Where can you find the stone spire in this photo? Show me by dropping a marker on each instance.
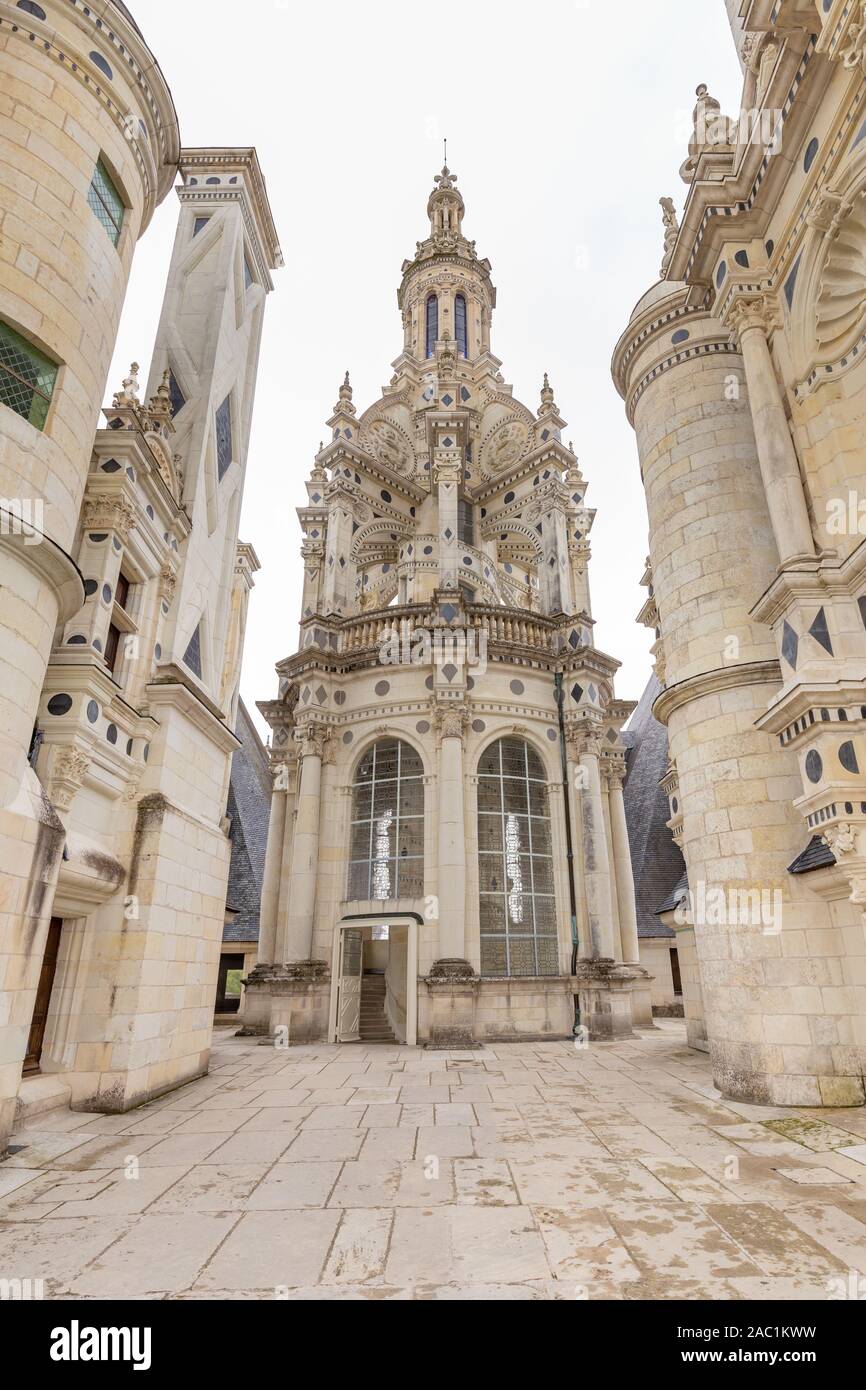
(445, 207)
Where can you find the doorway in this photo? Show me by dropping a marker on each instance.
(374, 983)
(229, 989)
(36, 1039)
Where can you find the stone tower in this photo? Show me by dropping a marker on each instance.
(743, 375)
(447, 757)
(90, 148)
(140, 698)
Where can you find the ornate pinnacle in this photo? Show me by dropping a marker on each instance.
(548, 402)
(128, 396)
(160, 404)
(344, 405)
(672, 231)
(446, 180)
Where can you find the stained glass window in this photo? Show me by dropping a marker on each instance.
(460, 325)
(515, 863)
(432, 324)
(27, 378)
(386, 851)
(106, 202)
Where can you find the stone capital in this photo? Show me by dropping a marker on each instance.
(312, 739)
(452, 722)
(746, 312)
(113, 513)
(68, 771)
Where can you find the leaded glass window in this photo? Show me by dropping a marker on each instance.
(432, 324)
(386, 851)
(224, 437)
(460, 325)
(515, 863)
(178, 399)
(105, 202)
(27, 378)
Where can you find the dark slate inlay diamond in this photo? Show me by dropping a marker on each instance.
(577, 693)
(464, 394)
(573, 640)
(819, 631)
(449, 672)
(447, 400)
(321, 695)
(790, 646)
(449, 612)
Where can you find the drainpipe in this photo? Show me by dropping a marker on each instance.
(569, 840)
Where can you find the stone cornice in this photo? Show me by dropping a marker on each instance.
(712, 682)
(202, 163)
(47, 561)
(134, 67)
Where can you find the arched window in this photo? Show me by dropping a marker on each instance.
(518, 907)
(387, 837)
(460, 329)
(432, 324)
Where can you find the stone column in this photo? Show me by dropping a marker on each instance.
(447, 473)
(777, 456)
(305, 850)
(623, 873)
(273, 859)
(596, 860)
(452, 985)
(452, 838)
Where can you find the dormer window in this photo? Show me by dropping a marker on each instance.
(432, 324)
(460, 325)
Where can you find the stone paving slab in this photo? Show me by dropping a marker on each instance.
(520, 1172)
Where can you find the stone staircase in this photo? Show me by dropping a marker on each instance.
(374, 1027)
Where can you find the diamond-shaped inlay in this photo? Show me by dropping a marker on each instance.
(342, 563)
(573, 640)
(449, 672)
(611, 735)
(449, 612)
(448, 443)
(447, 400)
(820, 632)
(593, 694)
(321, 695)
(790, 645)
(464, 394)
(545, 434)
(577, 693)
(305, 698)
(449, 534)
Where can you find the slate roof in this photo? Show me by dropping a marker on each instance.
(249, 809)
(658, 864)
(816, 855)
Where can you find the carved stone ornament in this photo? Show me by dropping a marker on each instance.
(853, 55)
(68, 770)
(115, 514)
(451, 723)
(390, 446)
(505, 446)
(841, 304)
(841, 839)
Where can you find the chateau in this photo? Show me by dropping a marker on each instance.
(472, 838)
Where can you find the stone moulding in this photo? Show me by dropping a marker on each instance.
(711, 682)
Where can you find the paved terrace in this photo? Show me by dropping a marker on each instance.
(516, 1172)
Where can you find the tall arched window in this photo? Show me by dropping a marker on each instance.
(460, 325)
(387, 836)
(432, 323)
(515, 860)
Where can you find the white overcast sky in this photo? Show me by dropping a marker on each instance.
(566, 121)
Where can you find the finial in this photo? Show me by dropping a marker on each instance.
(344, 404)
(128, 396)
(547, 397)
